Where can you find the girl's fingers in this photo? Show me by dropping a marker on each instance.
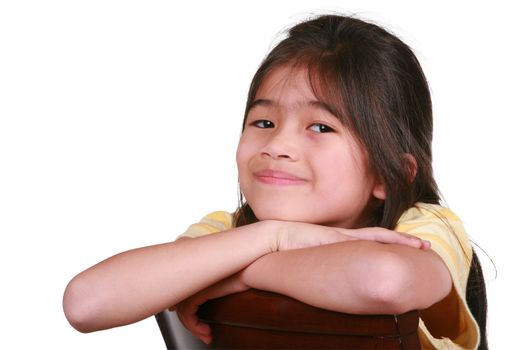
(203, 332)
(199, 329)
(187, 309)
(187, 312)
(389, 236)
(413, 241)
(425, 245)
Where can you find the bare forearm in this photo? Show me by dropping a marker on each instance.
(354, 277)
(136, 284)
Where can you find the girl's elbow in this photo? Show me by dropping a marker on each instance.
(396, 286)
(387, 286)
(79, 307)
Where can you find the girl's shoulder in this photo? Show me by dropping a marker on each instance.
(213, 222)
(435, 222)
(428, 211)
(443, 228)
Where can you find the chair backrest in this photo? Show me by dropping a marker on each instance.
(262, 320)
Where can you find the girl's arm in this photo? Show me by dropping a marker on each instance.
(362, 277)
(136, 284)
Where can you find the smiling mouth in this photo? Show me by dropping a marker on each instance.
(275, 177)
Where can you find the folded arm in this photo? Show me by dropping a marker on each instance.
(136, 284)
(362, 277)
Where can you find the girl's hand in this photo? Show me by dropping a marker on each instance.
(295, 235)
(384, 235)
(187, 309)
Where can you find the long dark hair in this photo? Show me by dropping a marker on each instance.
(375, 84)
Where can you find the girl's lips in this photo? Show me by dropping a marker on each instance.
(276, 177)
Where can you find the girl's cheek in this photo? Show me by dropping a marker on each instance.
(249, 145)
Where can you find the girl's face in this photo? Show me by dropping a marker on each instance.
(297, 162)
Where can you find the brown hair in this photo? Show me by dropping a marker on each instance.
(375, 85)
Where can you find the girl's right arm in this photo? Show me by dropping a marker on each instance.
(139, 283)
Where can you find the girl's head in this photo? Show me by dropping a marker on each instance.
(343, 109)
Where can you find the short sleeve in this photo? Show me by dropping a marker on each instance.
(211, 223)
(450, 241)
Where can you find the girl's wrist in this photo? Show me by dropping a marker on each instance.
(267, 232)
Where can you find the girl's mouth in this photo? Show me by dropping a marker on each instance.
(277, 177)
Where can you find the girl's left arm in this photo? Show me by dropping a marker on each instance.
(362, 277)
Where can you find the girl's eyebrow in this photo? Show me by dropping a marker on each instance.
(321, 105)
(312, 103)
(260, 102)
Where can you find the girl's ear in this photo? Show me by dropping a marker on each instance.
(379, 191)
(411, 163)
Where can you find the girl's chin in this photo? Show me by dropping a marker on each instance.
(297, 217)
(281, 216)
(308, 220)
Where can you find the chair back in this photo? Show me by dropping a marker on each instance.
(256, 319)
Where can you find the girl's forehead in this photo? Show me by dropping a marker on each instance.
(284, 81)
(297, 85)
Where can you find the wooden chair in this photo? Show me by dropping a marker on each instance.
(262, 320)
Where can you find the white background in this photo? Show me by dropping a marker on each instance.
(119, 122)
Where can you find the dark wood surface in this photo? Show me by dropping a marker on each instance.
(256, 319)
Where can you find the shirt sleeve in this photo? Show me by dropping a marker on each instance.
(450, 241)
(214, 222)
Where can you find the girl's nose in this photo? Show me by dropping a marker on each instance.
(281, 146)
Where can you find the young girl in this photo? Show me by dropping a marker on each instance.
(334, 162)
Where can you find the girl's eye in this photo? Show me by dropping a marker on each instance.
(321, 128)
(263, 124)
